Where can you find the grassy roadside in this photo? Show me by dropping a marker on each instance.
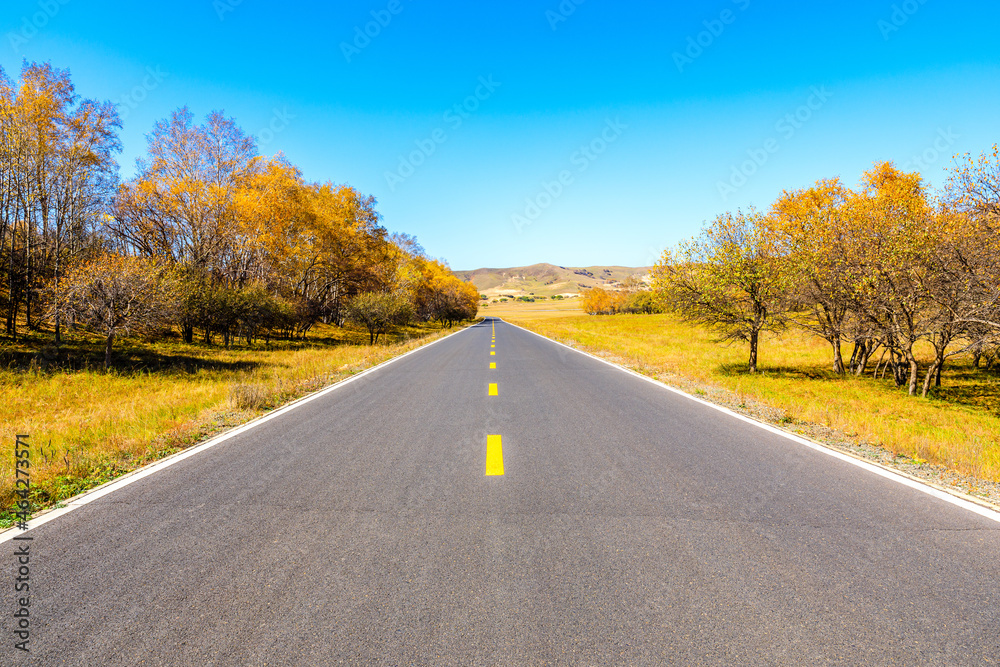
(88, 427)
(957, 430)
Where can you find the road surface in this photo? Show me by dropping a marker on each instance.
(629, 526)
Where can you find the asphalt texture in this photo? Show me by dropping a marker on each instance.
(632, 526)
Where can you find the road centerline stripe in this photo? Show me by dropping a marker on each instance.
(494, 456)
(493, 389)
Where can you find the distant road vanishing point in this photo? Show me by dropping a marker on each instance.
(496, 498)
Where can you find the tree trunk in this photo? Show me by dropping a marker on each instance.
(866, 354)
(854, 355)
(838, 356)
(927, 380)
(107, 351)
(878, 366)
(15, 306)
(754, 337)
(914, 373)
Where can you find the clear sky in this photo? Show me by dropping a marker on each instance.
(581, 132)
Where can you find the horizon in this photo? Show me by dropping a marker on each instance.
(573, 133)
(559, 266)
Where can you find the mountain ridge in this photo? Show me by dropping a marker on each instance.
(546, 279)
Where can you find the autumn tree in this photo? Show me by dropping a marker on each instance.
(599, 301)
(180, 206)
(378, 312)
(436, 292)
(973, 192)
(729, 279)
(342, 250)
(57, 168)
(815, 239)
(115, 295)
(897, 234)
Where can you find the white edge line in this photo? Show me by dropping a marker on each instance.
(940, 494)
(130, 478)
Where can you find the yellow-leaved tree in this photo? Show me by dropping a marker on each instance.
(729, 279)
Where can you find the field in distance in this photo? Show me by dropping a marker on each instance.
(549, 279)
(521, 310)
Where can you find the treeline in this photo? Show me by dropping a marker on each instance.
(209, 237)
(880, 269)
(633, 296)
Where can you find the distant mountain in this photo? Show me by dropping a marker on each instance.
(549, 279)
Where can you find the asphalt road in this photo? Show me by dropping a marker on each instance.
(631, 526)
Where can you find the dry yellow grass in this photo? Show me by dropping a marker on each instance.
(546, 309)
(87, 426)
(958, 428)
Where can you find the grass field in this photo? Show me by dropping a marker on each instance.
(959, 427)
(538, 310)
(87, 427)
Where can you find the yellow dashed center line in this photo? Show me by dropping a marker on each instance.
(494, 450)
(494, 456)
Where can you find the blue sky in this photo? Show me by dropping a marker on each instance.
(504, 133)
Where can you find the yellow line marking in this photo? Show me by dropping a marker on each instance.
(492, 345)
(494, 456)
(493, 365)
(493, 389)
(493, 354)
